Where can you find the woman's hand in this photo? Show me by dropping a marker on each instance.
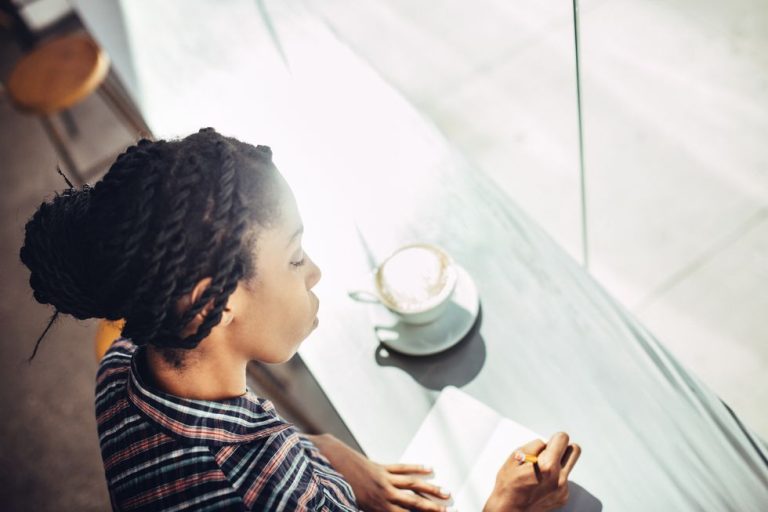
(380, 487)
(535, 487)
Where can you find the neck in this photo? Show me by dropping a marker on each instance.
(205, 375)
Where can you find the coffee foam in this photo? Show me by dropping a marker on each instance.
(413, 277)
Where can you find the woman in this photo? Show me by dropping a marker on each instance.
(196, 243)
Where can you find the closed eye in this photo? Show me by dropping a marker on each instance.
(299, 263)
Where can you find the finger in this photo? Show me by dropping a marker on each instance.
(531, 448)
(419, 485)
(534, 447)
(575, 453)
(537, 472)
(566, 455)
(405, 469)
(553, 453)
(413, 501)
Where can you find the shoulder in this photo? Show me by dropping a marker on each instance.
(111, 379)
(145, 467)
(116, 361)
(122, 346)
(112, 376)
(154, 472)
(277, 473)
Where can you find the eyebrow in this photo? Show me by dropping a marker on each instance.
(295, 234)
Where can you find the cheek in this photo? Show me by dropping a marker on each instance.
(282, 314)
(294, 310)
(303, 309)
(291, 325)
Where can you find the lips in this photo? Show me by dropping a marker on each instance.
(316, 320)
(317, 304)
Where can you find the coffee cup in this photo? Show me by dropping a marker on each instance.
(415, 283)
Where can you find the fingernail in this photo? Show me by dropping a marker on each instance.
(427, 468)
(444, 491)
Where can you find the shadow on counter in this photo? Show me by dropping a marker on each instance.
(456, 366)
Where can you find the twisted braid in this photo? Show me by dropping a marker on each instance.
(227, 213)
(166, 215)
(231, 212)
(128, 233)
(167, 256)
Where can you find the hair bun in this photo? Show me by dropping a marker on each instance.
(265, 150)
(52, 252)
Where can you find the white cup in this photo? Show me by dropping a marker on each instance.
(415, 283)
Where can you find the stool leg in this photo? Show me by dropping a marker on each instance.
(122, 110)
(69, 123)
(61, 149)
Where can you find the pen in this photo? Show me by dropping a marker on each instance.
(521, 457)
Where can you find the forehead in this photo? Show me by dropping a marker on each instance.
(270, 245)
(286, 220)
(288, 216)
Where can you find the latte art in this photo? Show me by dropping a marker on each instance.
(413, 278)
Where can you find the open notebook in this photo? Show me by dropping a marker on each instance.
(466, 442)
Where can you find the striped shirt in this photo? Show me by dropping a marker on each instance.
(163, 452)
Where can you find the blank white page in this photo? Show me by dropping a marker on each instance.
(451, 437)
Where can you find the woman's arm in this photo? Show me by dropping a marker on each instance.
(519, 487)
(378, 486)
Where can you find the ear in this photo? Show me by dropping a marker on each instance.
(228, 313)
(198, 290)
(226, 316)
(187, 300)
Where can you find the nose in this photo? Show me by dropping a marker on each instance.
(314, 274)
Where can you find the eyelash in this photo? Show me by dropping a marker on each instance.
(299, 263)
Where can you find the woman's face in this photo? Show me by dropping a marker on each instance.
(277, 310)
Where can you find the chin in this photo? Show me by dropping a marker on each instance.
(279, 358)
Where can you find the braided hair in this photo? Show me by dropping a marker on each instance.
(166, 215)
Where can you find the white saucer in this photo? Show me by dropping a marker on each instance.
(436, 336)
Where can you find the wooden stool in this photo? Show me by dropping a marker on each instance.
(59, 74)
(107, 332)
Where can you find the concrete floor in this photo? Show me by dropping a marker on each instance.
(675, 100)
(50, 454)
